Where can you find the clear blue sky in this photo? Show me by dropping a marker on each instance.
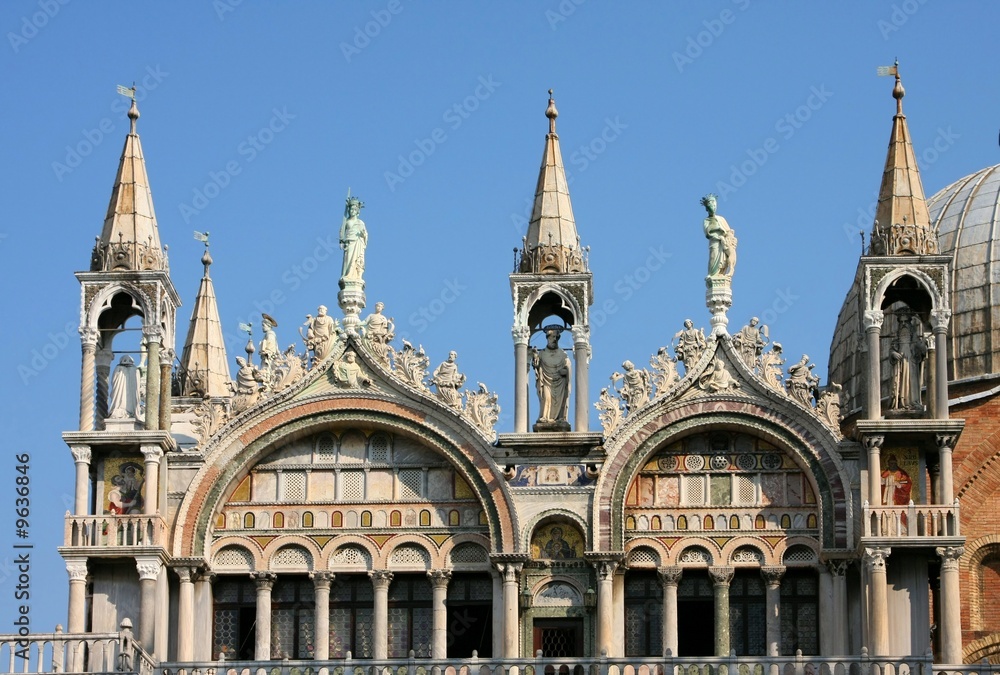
(659, 104)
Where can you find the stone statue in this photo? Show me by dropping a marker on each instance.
(448, 381)
(750, 342)
(347, 372)
(906, 354)
(801, 383)
(635, 386)
(379, 331)
(770, 367)
(320, 332)
(721, 241)
(247, 377)
(269, 350)
(353, 240)
(689, 344)
(716, 377)
(124, 390)
(664, 371)
(552, 384)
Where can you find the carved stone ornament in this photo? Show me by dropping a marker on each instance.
(322, 579)
(322, 332)
(482, 408)
(447, 381)
(148, 568)
(264, 581)
(605, 569)
(875, 558)
(347, 372)
(209, 416)
(749, 343)
(801, 383)
(721, 576)
(772, 574)
(509, 572)
(838, 567)
(81, 453)
(635, 386)
(828, 406)
(378, 331)
(520, 334)
(411, 365)
(670, 575)
(610, 412)
(689, 344)
(950, 556)
(873, 319)
(380, 578)
(939, 319)
(664, 374)
(439, 578)
(771, 367)
(716, 378)
(77, 570)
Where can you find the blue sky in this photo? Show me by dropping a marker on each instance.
(257, 118)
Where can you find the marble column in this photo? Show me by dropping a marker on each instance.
(581, 362)
(185, 614)
(510, 574)
(772, 599)
(670, 577)
(874, 446)
(321, 598)
(878, 599)
(166, 381)
(940, 318)
(149, 572)
(380, 619)
(103, 359)
(264, 581)
(88, 378)
(152, 380)
(439, 613)
(151, 455)
(873, 319)
(721, 578)
(520, 335)
(77, 571)
(946, 445)
(951, 604)
(834, 621)
(605, 605)
(204, 616)
(81, 456)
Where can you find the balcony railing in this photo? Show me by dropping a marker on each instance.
(911, 521)
(111, 531)
(80, 653)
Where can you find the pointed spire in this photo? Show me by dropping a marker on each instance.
(204, 368)
(552, 245)
(902, 224)
(130, 239)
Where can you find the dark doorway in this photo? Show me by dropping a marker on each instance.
(695, 615)
(470, 615)
(558, 638)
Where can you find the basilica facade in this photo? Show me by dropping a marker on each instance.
(349, 498)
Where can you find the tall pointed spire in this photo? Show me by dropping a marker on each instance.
(130, 239)
(552, 245)
(902, 225)
(204, 368)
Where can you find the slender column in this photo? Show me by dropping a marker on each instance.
(439, 613)
(605, 604)
(77, 571)
(166, 367)
(878, 598)
(203, 617)
(88, 375)
(669, 578)
(262, 643)
(873, 327)
(185, 615)
(838, 628)
(321, 597)
(510, 574)
(81, 455)
(939, 326)
(152, 381)
(380, 628)
(946, 444)
(618, 614)
(951, 604)
(152, 455)
(103, 359)
(874, 446)
(721, 577)
(497, 611)
(931, 359)
(149, 572)
(520, 334)
(772, 598)
(581, 361)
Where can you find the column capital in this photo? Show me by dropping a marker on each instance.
(206, 576)
(772, 575)
(185, 574)
(721, 576)
(81, 453)
(439, 578)
(671, 575)
(873, 442)
(945, 442)
(380, 578)
(520, 334)
(581, 335)
(875, 556)
(605, 568)
(149, 568)
(88, 337)
(837, 566)
(950, 556)
(151, 453)
(510, 572)
(873, 319)
(152, 335)
(264, 581)
(166, 358)
(940, 318)
(322, 580)
(77, 570)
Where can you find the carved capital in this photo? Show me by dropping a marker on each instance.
(77, 570)
(772, 575)
(151, 453)
(946, 442)
(81, 453)
(322, 580)
(149, 568)
(581, 335)
(166, 359)
(940, 318)
(950, 555)
(152, 336)
(875, 558)
(873, 320)
(264, 581)
(185, 574)
(204, 576)
(509, 572)
(838, 567)
(605, 569)
(88, 338)
(721, 576)
(873, 443)
(520, 334)
(439, 578)
(380, 579)
(670, 576)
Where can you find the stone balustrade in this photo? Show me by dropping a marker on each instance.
(60, 652)
(913, 520)
(111, 531)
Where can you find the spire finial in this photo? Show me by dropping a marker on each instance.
(552, 113)
(206, 257)
(897, 91)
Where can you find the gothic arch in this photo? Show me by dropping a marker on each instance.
(924, 280)
(568, 302)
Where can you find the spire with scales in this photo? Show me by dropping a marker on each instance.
(204, 368)
(130, 239)
(902, 224)
(552, 245)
